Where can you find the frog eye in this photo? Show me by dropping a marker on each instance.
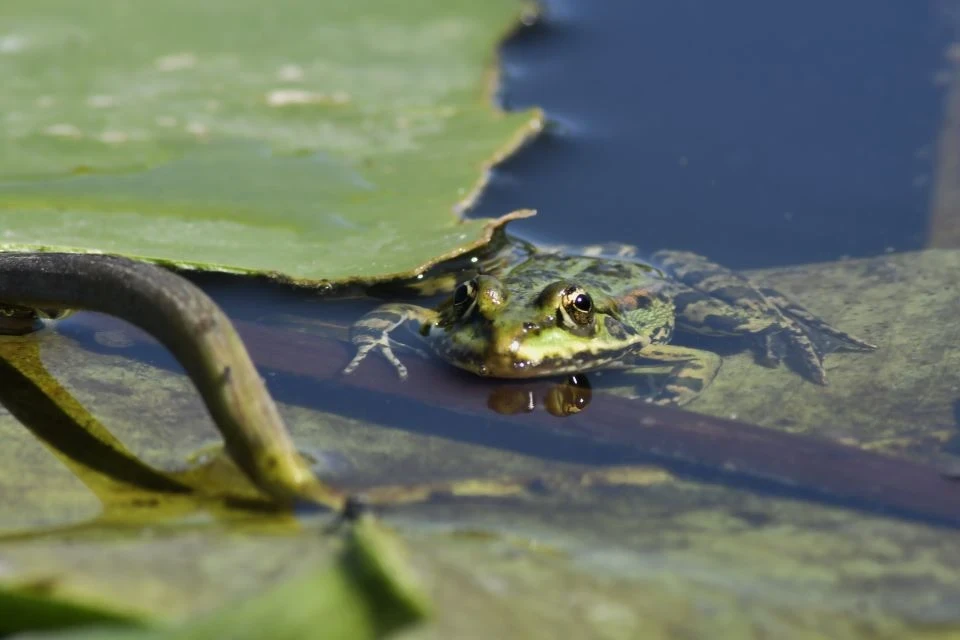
(583, 303)
(464, 296)
(577, 307)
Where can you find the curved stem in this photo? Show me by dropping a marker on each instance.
(200, 336)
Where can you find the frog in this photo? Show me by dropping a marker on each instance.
(522, 311)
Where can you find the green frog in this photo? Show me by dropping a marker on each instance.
(522, 312)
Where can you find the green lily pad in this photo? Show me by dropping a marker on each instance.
(320, 141)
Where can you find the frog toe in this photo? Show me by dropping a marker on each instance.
(366, 345)
(691, 371)
(801, 349)
(678, 392)
(371, 333)
(770, 351)
(814, 370)
(830, 336)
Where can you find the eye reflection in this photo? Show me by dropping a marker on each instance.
(561, 399)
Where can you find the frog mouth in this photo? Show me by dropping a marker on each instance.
(517, 357)
(509, 365)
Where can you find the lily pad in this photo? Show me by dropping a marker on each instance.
(315, 142)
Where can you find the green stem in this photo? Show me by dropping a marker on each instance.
(200, 336)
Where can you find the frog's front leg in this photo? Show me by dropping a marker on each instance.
(688, 371)
(691, 370)
(372, 332)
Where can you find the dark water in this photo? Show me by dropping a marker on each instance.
(758, 133)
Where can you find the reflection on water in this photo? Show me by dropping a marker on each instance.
(562, 399)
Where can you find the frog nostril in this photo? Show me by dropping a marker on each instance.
(530, 326)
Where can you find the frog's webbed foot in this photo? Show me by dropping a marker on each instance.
(713, 300)
(687, 372)
(804, 336)
(371, 333)
(833, 338)
(693, 371)
(367, 343)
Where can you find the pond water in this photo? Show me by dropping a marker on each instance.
(757, 133)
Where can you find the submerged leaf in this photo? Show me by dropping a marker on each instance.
(643, 554)
(367, 593)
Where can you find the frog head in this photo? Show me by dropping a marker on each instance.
(527, 331)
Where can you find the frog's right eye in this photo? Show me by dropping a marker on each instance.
(464, 296)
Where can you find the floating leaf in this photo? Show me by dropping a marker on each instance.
(315, 141)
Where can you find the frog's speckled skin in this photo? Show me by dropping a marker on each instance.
(535, 313)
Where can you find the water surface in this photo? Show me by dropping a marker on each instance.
(756, 133)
